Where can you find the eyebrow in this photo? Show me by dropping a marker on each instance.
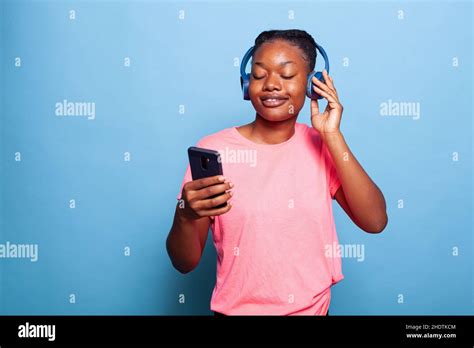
(281, 64)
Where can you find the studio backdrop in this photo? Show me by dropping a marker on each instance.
(101, 99)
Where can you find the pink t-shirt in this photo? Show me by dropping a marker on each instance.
(275, 246)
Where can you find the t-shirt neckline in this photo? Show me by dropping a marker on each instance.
(267, 146)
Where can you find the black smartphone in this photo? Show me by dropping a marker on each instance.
(205, 163)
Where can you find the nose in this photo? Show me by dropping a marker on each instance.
(271, 83)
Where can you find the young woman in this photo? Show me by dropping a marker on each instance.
(275, 239)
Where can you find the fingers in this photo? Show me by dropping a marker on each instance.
(328, 86)
(192, 194)
(210, 203)
(204, 182)
(314, 107)
(203, 202)
(330, 97)
(217, 211)
(329, 81)
(211, 191)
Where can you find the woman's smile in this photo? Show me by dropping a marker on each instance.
(273, 101)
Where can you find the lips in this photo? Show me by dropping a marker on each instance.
(273, 101)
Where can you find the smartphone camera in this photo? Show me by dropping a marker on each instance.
(205, 162)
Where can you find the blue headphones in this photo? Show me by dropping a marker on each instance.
(310, 93)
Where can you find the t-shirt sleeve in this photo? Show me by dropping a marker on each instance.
(331, 173)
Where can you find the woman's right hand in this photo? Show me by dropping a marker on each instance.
(196, 196)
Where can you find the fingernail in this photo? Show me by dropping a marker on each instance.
(231, 185)
(221, 178)
(231, 193)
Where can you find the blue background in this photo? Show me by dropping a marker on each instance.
(191, 62)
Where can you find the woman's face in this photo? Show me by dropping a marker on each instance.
(277, 87)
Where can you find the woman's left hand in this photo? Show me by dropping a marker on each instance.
(328, 122)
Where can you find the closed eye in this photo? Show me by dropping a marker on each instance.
(285, 77)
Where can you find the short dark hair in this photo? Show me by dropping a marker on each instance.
(299, 38)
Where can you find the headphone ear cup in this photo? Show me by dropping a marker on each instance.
(309, 85)
(310, 92)
(319, 76)
(244, 83)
